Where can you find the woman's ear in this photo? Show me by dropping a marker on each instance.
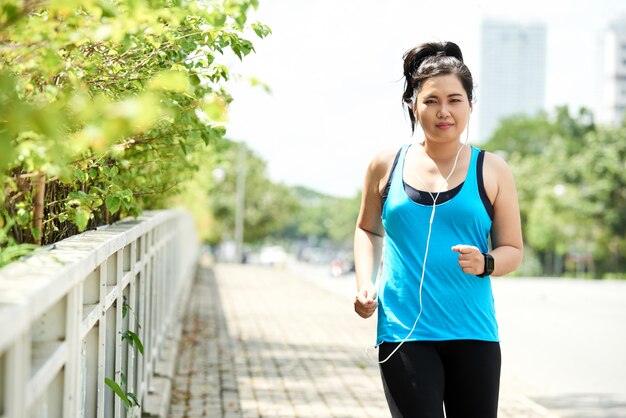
(414, 109)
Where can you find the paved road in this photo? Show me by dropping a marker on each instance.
(566, 341)
(563, 340)
(262, 342)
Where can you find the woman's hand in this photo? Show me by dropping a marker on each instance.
(471, 260)
(364, 302)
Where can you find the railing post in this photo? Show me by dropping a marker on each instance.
(72, 368)
(17, 372)
(119, 306)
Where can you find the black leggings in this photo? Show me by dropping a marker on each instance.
(423, 376)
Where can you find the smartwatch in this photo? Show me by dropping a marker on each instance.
(489, 265)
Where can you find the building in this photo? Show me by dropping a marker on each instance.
(513, 72)
(614, 74)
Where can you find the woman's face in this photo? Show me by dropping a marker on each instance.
(442, 108)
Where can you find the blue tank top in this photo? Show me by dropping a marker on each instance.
(456, 305)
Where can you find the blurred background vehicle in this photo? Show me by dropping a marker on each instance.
(273, 255)
(341, 264)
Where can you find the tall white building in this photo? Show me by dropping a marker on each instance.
(614, 74)
(513, 72)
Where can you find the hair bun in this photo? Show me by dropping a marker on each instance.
(452, 50)
(416, 56)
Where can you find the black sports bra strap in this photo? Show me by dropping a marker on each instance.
(388, 184)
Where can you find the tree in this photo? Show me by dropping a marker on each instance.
(324, 218)
(570, 178)
(531, 135)
(268, 206)
(105, 106)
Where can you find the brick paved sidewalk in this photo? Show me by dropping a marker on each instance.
(261, 342)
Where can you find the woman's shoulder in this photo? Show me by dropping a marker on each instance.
(497, 174)
(382, 162)
(495, 161)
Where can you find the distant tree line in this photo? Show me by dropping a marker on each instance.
(274, 211)
(571, 179)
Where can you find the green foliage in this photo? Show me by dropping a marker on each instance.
(531, 135)
(268, 206)
(12, 250)
(129, 399)
(272, 211)
(133, 339)
(571, 177)
(324, 218)
(129, 336)
(113, 103)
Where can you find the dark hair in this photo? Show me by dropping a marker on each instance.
(430, 60)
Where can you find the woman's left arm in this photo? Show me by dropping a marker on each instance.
(506, 231)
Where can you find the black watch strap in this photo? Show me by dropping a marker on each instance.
(489, 265)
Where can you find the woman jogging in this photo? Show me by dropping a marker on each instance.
(435, 203)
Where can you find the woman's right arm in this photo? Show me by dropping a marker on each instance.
(369, 232)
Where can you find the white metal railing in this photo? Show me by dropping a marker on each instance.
(61, 321)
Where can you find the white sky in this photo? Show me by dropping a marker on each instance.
(335, 68)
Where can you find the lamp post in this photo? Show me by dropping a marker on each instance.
(240, 203)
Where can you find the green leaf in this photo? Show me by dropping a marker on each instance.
(113, 204)
(80, 175)
(12, 253)
(133, 339)
(138, 343)
(261, 30)
(132, 396)
(52, 61)
(170, 81)
(81, 218)
(214, 107)
(255, 82)
(118, 391)
(23, 216)
(123, 378)
(183, 147)
(108, 10)
(9, 12)
(188, 46)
